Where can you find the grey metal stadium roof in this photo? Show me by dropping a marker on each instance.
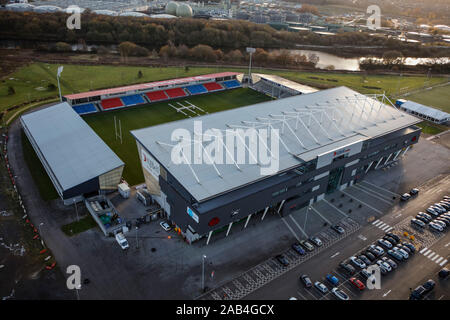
(287, 83)
(309, 125)
(73, 151)
(425, 110)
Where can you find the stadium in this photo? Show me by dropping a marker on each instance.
(328, 140)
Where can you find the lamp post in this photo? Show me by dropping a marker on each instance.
(58, 75)
(203, 273)
(137, 243)
(39, 226)
(76, 209)
(250, 51)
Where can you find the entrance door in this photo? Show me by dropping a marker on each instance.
(334, 179)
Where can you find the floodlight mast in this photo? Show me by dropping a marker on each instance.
(250, 51)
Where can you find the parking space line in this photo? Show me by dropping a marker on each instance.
(388, 198)
(370, 194)
(298, 226)
(384, 189)
(289, 227)
(311, 294)
(374, 209)
(304, 298)
(339, 210)
(443, 262)
(315, 210)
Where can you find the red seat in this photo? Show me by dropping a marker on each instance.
(175, 92)
(156, 95)
(111, 103)
(212, 86)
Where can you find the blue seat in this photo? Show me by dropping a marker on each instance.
(196, 89)
(85, 108)
(231, 84)
(132, 100)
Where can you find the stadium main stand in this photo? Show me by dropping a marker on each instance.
(175, 92)
(111, 103)
(212, 86)
(196, 89)
(156, 95)
(133, 100)
(230, 84)
(85, 108)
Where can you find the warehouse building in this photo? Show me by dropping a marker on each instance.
(77, 161)
(328, 140)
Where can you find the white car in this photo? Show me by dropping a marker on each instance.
(385, 265)
(316, 241)
(385, 243)
(341, 295)
(120, 238)
(321, 287)
(379, 250)
(441, 223)
(165, 226)
(436, 226)
(432, 211)
(358, 262)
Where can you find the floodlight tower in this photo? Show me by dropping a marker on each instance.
(250, 50)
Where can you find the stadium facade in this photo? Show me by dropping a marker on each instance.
(328, 140)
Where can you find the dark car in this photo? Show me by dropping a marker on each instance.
(397, 256)
(282, 260)
(429, 286)
(424, 220)
(414, 191)
(338, 229)
(365, 259)
(394, 236)
(347, 267)
(444, 273)
(370, 255)
(306, 280)
(390, 239)
(417, 293)
(298, 248)
(410, 246)
(365, 274)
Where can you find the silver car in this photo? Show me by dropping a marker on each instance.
(436, 227)
(384, 265)
(404, 254)
(357, 262)
(321, 287)
(341, 295)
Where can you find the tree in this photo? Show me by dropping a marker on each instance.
(203, 52)
(63, 47)
(235, 56)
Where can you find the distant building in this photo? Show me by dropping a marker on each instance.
(424, 112)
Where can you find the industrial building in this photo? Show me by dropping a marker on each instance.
(328, 140)
(77, 161)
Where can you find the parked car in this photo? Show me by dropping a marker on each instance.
(308, 246)
(444, 273)
(446, 221)
(432, 211)
(429, 286)
(414, 191)
(123, 243)
(445, 205)
(397, 256)
(385, 243)
(391, 262)
(370, 255)
(357, 283)
(411, 247)
(306, 280)
(357, 262)
(417, 293)
(321, 287)
(404, 254)
(364, 259)
(377, 250)
(347, 267)
(341, 295)
(438, 205)
(418, 223)
(439, 222)
(384, 265)
(332, 279)
(422, 219)
(316, 241)
(282, 260)
(390, 239)
(405, 197)
(439, 209)
(426, 215)
(365, 274)
(298, 248)
(401, 246)
(165, 225)
(394, 236)
(338, 229)
(436, 227)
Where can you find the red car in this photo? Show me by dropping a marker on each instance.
(357, 283)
